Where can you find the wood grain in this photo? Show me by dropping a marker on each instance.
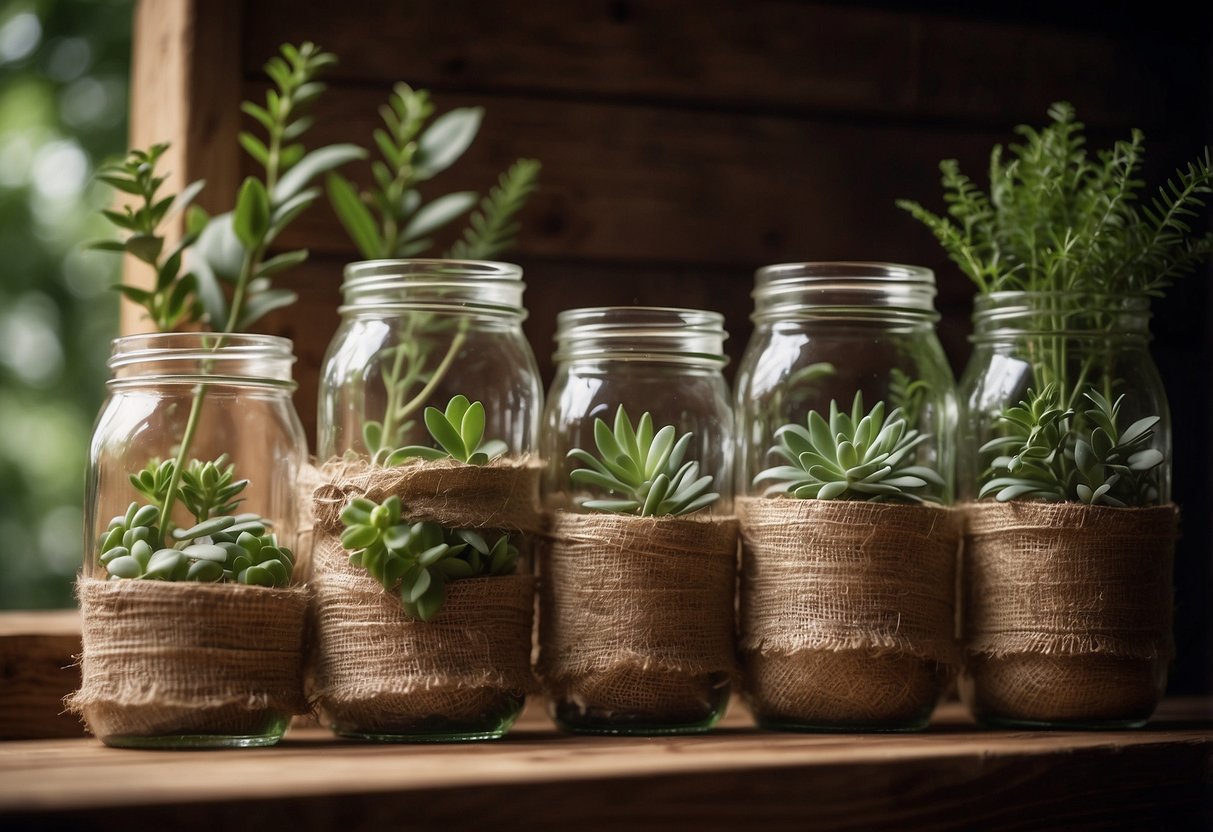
(766, 55)
(953, 776)
(639, 183)
(37, 669)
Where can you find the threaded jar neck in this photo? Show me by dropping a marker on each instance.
(478, 287)
(197, 357)
(1008, 315)
(691, 337)
(876, 292)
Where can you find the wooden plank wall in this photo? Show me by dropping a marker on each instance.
(687, 142)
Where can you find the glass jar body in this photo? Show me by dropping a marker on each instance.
(1074, 355)
(195, 397)
(415, 334)
(822, 578)
(643, 677)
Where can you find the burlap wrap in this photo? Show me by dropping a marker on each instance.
(847, 609)
(501, 495)
(172, 659)
(636, 613)
(375, 670)
(1067, 609)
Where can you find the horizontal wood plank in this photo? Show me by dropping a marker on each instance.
(953, 776)
(636, 183)
(770, 54)
(37, 669)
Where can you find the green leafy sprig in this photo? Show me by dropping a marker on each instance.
(643, 469)
(233, 249)
(856, 456)
(389, 220)
(1044, 454)
(494, 225)
(417, 560)
(459, 432)
(171, 301)
(1056, 219)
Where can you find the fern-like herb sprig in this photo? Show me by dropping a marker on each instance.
(643, 468)
(856, 456)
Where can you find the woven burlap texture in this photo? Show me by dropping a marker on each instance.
(163, 658)
(374, 669)
(501, 495)
(636, 613)
(847, 609)
(1067, 609)
(1068, 579)
(844, 574)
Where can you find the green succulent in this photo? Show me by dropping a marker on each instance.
(418, 559)
(860, 456)
(459, 431)
(643, 468)
(232, 549)
(1045, 454)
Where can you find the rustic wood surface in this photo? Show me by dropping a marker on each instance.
(37, 669)
(952, 776)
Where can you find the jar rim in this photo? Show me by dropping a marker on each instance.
(1058, 312)
(486, 287)
(238, 357)
(641, 333)
(844, 290)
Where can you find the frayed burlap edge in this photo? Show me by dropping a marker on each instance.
(503, 494)
(1068, 579)
(636, 613)
(163, 658)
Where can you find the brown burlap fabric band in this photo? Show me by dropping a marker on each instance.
(847, 575)
(633, 607)
(374, 667)
(165, 658)
(1068, 579)
(501, 495)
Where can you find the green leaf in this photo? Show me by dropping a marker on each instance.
(445, 141)
(282, 262)
(312, 165)
(444, 433)
(252, 217)
(437, 213)
(262, 303)
(146, 247)
(255, 148)
(354, 216)
(472, 427)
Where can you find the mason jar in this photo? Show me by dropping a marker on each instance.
(848, 562)
(636, 606)
(416, 336)
(184, 650)
(1068, 574)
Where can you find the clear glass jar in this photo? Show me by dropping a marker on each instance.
(1076, 346)
(434, 329)
(226, 398)
(825, 333)
(415, 334)
(610, 665)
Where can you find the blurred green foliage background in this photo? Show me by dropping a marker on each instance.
(64, 72)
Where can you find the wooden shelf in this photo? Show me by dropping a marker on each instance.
(952, 776)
